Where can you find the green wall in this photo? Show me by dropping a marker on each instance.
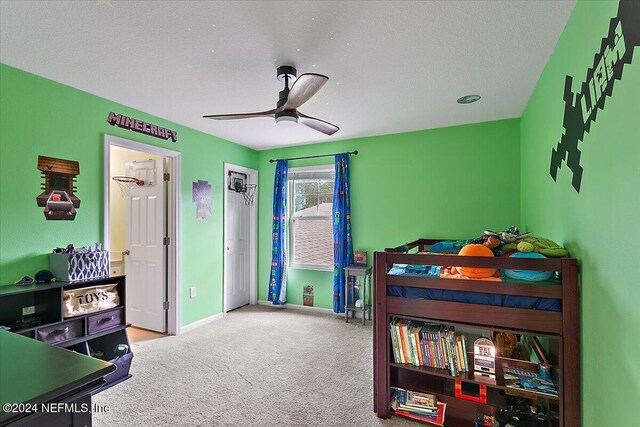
(600, 225)
(42, 117)
(451, 182)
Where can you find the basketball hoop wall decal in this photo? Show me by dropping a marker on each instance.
(201, 196)
(58, 197)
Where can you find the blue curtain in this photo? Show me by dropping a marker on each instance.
(342, 239)
(278, 279)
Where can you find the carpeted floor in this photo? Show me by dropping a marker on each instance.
(260, 366)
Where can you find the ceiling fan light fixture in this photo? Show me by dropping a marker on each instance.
(286, 121)
(468, 99)
(286, 113)
(287, 118)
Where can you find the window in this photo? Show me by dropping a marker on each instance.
(311, 203)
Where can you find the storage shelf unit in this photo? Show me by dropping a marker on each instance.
(461, 412)
(558, 330)
(351, 275)
(36, 309)
(468, 377)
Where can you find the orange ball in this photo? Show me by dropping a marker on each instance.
(476, 272)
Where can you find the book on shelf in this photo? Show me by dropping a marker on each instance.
(411, 401)
(394, 341)
(438, 420)
(404, 341)
(360, 258)
(428, 344)
(529, 381)
(422, 399)
(415, 330)
(419, 406)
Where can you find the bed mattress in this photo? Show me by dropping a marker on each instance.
(514, 301)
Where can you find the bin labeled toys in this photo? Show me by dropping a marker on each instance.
(89, 300)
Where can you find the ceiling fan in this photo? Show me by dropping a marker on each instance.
(286, 112)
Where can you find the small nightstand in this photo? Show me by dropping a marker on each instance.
(364, 289)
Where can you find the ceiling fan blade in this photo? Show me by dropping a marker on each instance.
(303, 89)
(269, 113)
(317, 124)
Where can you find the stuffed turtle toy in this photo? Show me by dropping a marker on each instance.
(541, 245)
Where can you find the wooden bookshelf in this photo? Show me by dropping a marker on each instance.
(469, 377)
(559, 329)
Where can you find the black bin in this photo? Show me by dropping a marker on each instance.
(105, 348)
(123, 365)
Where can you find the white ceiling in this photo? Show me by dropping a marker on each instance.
(393, 66)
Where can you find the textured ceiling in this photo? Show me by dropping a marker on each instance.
(393, 66)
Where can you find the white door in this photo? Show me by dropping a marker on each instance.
(237, 227)
(145, 230)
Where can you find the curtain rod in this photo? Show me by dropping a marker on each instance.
(313, 157)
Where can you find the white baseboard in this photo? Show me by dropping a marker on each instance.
(307, 308)
(297, 307)
(201, 322)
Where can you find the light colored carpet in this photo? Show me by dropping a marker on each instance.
(260, 366)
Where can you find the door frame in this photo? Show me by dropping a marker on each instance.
(252, 178)
(173, 217)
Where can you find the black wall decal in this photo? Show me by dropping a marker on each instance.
(581, 108)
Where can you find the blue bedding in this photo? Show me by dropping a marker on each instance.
(514, 301)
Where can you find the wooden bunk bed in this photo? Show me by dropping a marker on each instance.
(559, 329)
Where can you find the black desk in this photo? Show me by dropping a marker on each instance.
(32, 372)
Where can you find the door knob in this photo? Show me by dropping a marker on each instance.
(126, 252)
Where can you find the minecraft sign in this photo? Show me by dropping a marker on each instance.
(581, 108)
(135, 125)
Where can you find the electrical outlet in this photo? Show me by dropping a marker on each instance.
(192, 291)
(27, 311)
